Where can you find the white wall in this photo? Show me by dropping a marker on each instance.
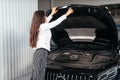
(1, 50)
(90, 2)
(15, 53)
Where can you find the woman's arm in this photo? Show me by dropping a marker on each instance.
(52, 24)
(58, 21)
(54, 10)
(49, 18)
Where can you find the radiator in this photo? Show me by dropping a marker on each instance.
(58, 75)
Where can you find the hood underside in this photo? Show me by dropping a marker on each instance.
(88, 26)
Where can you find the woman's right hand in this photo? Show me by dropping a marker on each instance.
(70, 11)
(54, 10)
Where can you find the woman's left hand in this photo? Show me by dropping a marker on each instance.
(70, 11)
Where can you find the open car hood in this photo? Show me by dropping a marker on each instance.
(89, 26)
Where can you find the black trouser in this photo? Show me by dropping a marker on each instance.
(39, 64)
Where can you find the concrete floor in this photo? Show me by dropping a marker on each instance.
(27, 77)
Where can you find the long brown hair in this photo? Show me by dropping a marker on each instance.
(37, 20)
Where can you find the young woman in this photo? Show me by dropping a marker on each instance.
(40, 36)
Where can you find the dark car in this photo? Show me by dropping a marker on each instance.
(84, 46)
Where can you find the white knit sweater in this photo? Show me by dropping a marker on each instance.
(44, 35)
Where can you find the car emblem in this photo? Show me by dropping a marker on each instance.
(60, 78)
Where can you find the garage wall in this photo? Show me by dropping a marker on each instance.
(47, 4)
(15, 53)
(1, 51)
(44, 4)
(90, 2)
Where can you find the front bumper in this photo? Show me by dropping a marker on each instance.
(80, 74)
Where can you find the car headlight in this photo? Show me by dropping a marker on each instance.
(103, 77)
(109, 74)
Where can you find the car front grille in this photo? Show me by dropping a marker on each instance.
(58, 75)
